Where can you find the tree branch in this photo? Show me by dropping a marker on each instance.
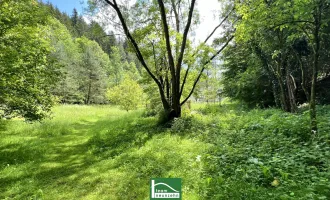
(184, 80)
(167, 37)
(203, 68)
(291, 22)
(135, 45)
(155, 61)
(188, 68)
(224, 19)
(110, 3)
(177, 21)
(109, 35)
(184, 40)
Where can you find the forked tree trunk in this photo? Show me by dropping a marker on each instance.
(171, 89)
(172, 106)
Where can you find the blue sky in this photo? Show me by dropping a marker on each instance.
(208, 13)
(68, 5)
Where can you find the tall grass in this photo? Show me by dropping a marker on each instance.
(220, 151)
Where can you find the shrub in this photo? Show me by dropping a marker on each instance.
(128, 95)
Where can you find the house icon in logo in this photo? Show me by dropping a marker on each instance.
(165, 188)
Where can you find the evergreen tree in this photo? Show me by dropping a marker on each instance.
(92, 71)
(66, 55)
(74, 17)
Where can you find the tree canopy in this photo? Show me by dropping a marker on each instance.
(27, 72)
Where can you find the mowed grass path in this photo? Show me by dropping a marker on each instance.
(93, 152)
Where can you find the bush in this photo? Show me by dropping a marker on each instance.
(128, 95)
(180, 125)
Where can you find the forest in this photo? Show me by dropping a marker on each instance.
(100, 104)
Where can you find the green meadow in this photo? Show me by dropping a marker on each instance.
(220, 152)
(101, 103)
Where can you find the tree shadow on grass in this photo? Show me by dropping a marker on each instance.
(3, 125)
(63, 161)
(119, 135)
(29, 168)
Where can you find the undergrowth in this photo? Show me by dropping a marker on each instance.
(262, 154)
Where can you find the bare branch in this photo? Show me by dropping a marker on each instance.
(109, 35)
(177, 23)
(110, 3)
(203, 68)
(215, 29)
(184, 80)
(155, 61)
(176, 16)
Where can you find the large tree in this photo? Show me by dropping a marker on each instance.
(162, 46)
(93, 66)
(26, 70)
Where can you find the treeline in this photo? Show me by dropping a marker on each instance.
(281, 55)
(48, 57)
(277, 45)
(78, 27)
(92, 60)
(275, 54)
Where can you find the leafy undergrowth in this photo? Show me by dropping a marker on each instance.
(265, 154)
(220, 152)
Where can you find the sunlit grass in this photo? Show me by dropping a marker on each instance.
(222, 151)
(93, 152)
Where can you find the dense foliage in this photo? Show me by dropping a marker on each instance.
(48, 57)
(128, 94)
(27, 70)
(280, 55)
(266, 154)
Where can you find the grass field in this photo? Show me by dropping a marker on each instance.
(91, 152)
(101, 152)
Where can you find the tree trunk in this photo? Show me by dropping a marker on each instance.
(89, 88)
(292, 92)
(303, 78)
(284, 103)
(276, 93)
(175, 111)
(312, 103)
